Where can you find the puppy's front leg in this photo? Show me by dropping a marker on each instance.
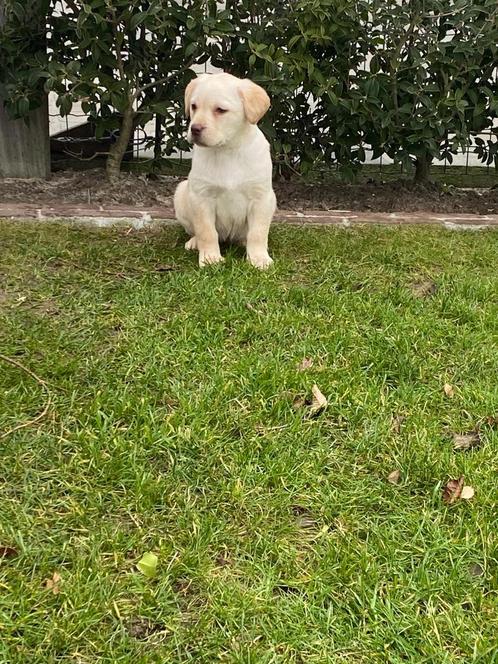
(206, 237)
(258, 226)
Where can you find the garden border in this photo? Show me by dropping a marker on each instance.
(142, 217)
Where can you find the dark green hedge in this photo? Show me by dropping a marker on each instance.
(413, 79)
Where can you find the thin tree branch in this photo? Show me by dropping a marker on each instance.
(76, 156)
(41, 382)
(72, 5)
(452, 13)
(160, 81)
(119, 42)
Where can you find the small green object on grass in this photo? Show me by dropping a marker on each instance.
(148, 564)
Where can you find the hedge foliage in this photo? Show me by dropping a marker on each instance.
(413, 79)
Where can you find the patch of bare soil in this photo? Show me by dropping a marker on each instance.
(394, 196)
(91, 187)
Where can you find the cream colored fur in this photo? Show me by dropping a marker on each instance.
(228, 195)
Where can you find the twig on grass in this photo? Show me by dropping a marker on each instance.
(41, 382)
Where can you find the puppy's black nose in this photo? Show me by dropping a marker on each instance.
(196, 130)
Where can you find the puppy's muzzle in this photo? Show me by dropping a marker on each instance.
(196, 131)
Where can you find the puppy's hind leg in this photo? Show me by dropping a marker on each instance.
(183, 213)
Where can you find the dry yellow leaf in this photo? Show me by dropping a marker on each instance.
(306, 363)
(319, 400)
(452, 490)
(53, 583)
(465, 441)
(448, 390)
(467, 493)
(394, 477)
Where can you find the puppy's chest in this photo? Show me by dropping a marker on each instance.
(229, 186)
(234, 190)
(235, 174)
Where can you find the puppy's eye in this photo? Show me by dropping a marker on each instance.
(220, 111)
(194, 107)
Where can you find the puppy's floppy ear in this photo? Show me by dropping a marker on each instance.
(256, 101)
(188, 94)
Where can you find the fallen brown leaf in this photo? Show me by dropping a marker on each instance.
(467, 493)
(448, 390)
(223, 559)
(397, 422)
(299, 402)
(306, 522)
(299, 510)
(452, 490)
(53, 583)
(492, 421)
(475, 569)
(394, 477)
(466, 441)
(8, 552)
(141, 628)
(423, 288)
(319, 401)
(306, 363)
(304, 518)
(285, 589)
(165, 268)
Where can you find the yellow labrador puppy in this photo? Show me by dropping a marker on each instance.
(228, 195)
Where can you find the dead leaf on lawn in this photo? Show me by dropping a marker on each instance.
(8, 552)
(315, 404)
(423, 288)
(467, 493)
(394, 477)
(492, 421)
(299, 402)
(397, 422)
(183, 586)
(448, 390)
(475, 569)
(319, 401)
(53, 584)
(141, 628)
(286, 589)
(452, 490)
(304, 518)
(306, 363)
(306, 522)
(466, 441)
(223, 559)
(163, 267)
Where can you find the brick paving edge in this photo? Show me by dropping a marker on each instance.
(105, 216)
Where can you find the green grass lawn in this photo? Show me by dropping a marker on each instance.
(173, 428)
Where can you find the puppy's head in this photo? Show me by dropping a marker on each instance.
(220, 106)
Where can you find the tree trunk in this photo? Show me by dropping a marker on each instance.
(25, 144)
(423, 168)
(118, 149)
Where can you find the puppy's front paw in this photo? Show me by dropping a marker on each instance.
(261, 260)
(191, 245)
(209, 258)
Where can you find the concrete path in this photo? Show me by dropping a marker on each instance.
(108, 215)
